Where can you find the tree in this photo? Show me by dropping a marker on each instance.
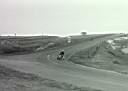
(83, 33)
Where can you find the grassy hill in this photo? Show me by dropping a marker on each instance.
(9, 45)
(35, 72)
(105, 55)
(24, 44)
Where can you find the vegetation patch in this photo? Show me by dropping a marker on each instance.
(102, 56)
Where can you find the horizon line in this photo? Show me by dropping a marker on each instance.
(16, 34)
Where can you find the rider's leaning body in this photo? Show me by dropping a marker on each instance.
(61, 54)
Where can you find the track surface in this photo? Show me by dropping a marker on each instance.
(69, 72)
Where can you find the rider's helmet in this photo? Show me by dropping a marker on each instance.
(61, 52)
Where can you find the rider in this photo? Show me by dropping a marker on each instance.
(61, 55)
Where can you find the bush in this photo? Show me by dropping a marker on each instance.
(83, 33)
(11, 47)
(116, 62)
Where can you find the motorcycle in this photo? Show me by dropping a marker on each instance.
(60, 57)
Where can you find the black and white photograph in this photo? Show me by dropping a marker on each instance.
(63, 45)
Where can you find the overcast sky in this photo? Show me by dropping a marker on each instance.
(63, 16)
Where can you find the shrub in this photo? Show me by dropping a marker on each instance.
(83, 33)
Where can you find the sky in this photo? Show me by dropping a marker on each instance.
(63, 17)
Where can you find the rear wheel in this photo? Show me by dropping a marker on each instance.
(60, 57)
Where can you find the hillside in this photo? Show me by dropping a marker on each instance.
(9, 45)
(111, 54)
(21, 45)
(85, 68)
